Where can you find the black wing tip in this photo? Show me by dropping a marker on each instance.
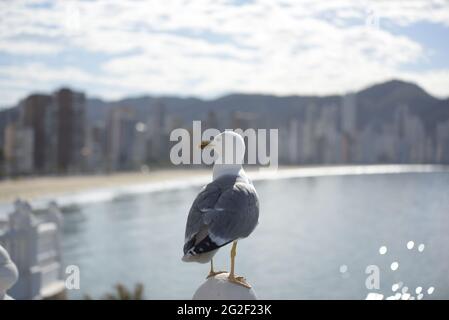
(204, 246)
(188, 245)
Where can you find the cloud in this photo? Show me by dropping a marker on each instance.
(208, 48)
(27, 47)
(433, 81)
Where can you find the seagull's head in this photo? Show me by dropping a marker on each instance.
(228, 146)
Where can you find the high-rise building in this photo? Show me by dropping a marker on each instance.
(387, 141)
(121, 133)
(308, 134)
(294, 145)
(140, 145)
(7, 116)
(57, 122)
(156, 131)
(328, 148)
(70, 115)
(35, 112)
(415, 135)
(349, 114)
(348, 127)
(18, 149)
(211, 120)
(94, 150)
(442, 134)
(244, 120)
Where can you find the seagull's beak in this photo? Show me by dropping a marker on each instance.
(205, 143)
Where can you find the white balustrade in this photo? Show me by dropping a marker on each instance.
(35, 247)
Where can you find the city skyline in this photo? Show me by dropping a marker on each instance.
(219, 47)
(67, 132)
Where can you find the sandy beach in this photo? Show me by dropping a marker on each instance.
(38, 187)
(57, 187)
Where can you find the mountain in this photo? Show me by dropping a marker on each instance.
(375, 104)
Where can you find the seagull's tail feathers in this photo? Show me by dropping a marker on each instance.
(202, 251)
(199, 258)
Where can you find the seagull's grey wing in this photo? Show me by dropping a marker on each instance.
(204, 202)
(235, 214)
(225, 210)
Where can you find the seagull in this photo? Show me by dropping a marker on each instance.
(226, 210)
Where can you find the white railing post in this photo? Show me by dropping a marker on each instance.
(8, 274)
(23, 248)
(55, 216)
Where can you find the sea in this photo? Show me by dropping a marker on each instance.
(353, 234)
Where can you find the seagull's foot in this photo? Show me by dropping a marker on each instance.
(239, 280)
(214, 273)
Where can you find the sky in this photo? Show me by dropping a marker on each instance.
(208, 48)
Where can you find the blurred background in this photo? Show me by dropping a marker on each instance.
(90, 91)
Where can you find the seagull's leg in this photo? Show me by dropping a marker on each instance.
(232, 278)
(213, 273)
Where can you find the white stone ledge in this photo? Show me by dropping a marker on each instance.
(219, 288)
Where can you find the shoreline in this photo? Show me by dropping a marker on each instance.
(69, 190)
(31, 188)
